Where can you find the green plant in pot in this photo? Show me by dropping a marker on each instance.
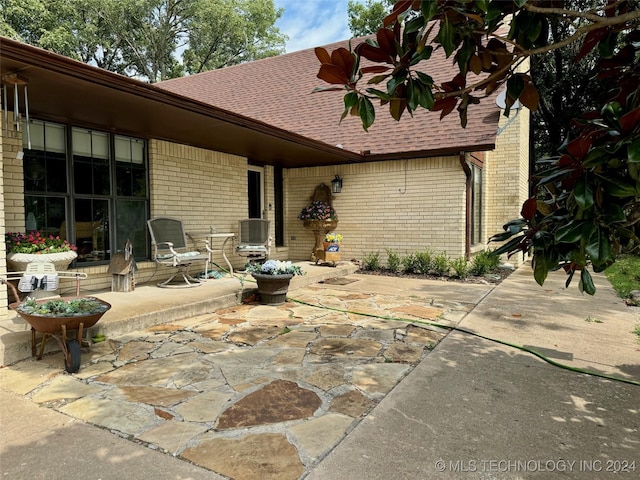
(25, 248)
(273, 277)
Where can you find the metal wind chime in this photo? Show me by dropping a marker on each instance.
(13, 81)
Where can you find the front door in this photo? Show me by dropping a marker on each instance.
(255, 178)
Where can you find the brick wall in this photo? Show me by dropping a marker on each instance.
(507, 174)
(201, 187)
(407, 206)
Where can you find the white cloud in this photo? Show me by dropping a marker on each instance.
(312, 23)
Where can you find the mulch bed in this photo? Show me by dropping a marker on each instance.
(494, 277)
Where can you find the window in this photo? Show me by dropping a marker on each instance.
(476, 204)
(89, 187)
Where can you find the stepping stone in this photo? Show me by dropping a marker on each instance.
(352, 403)
(344, 347)
(279, 401)
(266, 456)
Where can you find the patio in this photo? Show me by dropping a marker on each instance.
(149, 305)
(270, 390)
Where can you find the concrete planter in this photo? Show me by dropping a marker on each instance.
(18, 262)
(273, 288)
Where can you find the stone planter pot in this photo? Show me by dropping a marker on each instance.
(18, 262)
(272, 288)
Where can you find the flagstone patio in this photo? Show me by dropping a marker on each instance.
(249, 391)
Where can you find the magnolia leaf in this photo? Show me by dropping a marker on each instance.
(590, 40)
(375, 69)
(475, 65)
(613, 213)
(579, 147)
(446, 35)
(379, 93)
(350, 99)
(332, 74)
(377, 79)
(598, 247)
(424, 78)
(534, 28)
(586, 283)
(619, 187)
(570, 233)
(515, 85)
(583, 193)
(367, 112)
(386, 41)
(429, 10)
(446, 105)
(397, 107)
(375, 54)
(630, 120)
(529, 208)
(426, 98)
(530, 97)
(327, 89)
(633, 151)
(424, 54)
(540, 269)
(322, 55)
(344, 59)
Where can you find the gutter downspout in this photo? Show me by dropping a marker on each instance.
(467, 212)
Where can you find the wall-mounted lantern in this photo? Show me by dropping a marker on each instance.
(336, 184)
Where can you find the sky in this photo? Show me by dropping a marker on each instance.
(312, 23)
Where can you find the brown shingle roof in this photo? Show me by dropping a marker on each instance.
(277, 91)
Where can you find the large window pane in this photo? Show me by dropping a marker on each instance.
(131, 173)
(95, 209)
(90, 162)
(45, 214)
(476, 205)
(91, 229)
(131, 218)
(45, 164)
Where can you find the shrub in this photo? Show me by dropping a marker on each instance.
(371, 261)
(441, 264)
(424, 262)
(410, 263)
(484, 262)
(393, 261)
(461, 267)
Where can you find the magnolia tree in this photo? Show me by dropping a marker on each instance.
(585, 206)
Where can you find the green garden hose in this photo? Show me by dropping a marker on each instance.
(484, 337)
(469, 332)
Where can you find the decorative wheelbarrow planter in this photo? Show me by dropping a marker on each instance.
(56, 324)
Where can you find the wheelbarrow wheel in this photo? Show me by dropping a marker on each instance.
(73, 365)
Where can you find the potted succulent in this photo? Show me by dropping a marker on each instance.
(26, 248)
(273, 277)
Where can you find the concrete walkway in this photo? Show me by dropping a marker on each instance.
(474, 409)
(468, 409)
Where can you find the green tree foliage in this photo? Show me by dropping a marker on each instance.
(151, 39)
(585, 209)
(564, 85)
(228, 32)
(365, 18)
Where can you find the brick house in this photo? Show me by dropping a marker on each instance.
(245, 141)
